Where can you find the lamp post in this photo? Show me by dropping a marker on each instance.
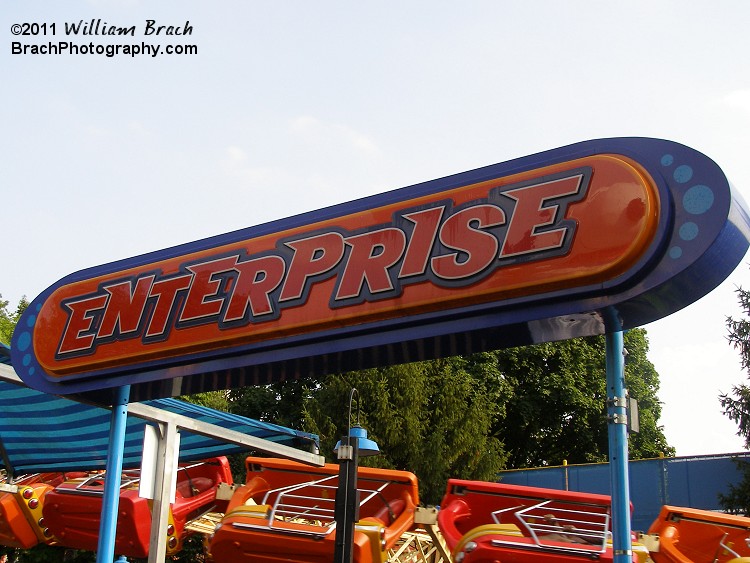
(346, 509)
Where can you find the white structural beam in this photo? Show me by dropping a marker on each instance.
(153, 414)
(166, 452)
(9, 374)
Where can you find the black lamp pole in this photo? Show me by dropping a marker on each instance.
(346, 509)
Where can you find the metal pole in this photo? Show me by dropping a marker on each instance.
(110, 504)
(346, 510)
(157, 550)
(618, 447)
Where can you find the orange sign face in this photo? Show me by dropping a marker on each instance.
(524, 235)
(577, 228)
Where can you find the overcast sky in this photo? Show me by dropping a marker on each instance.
(290, 106)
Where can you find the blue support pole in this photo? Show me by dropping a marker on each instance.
(618, 447)
(110, 504)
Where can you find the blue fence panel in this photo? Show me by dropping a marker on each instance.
(694, 482)
(698, 482)
(548, 479)
(588, 478)
(648, 490)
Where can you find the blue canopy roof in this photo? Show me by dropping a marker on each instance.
(41, 432)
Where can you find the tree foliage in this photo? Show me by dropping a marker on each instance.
(431, 418)
(8, 319)
(736, 405)
(469, 417)
(557, 405)
(642, 381)
(43, 553)
(737, 498)
(556, 410)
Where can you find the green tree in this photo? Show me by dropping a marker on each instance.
(8, 320)
(557, 402)
(737, 498)
(431, 418)
(468, 417)
(642, 381)
(736, 405)
(557, 410)
(6, 326)
(43, 553)
(280, 403)
(217, 400)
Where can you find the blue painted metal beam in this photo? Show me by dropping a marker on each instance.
(108, 526)
(618, 447)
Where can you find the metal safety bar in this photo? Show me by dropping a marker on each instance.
(129, 478)
(726, 547)
(86, 487)
(308, 503)
(547, 521)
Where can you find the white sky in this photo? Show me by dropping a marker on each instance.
(290, 106)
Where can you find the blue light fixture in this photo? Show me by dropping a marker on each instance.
(366, 446)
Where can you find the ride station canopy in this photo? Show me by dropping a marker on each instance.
(42, 433)
(581, 240)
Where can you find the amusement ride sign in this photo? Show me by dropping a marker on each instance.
(540, 248)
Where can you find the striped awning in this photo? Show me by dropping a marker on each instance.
(41, 432)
